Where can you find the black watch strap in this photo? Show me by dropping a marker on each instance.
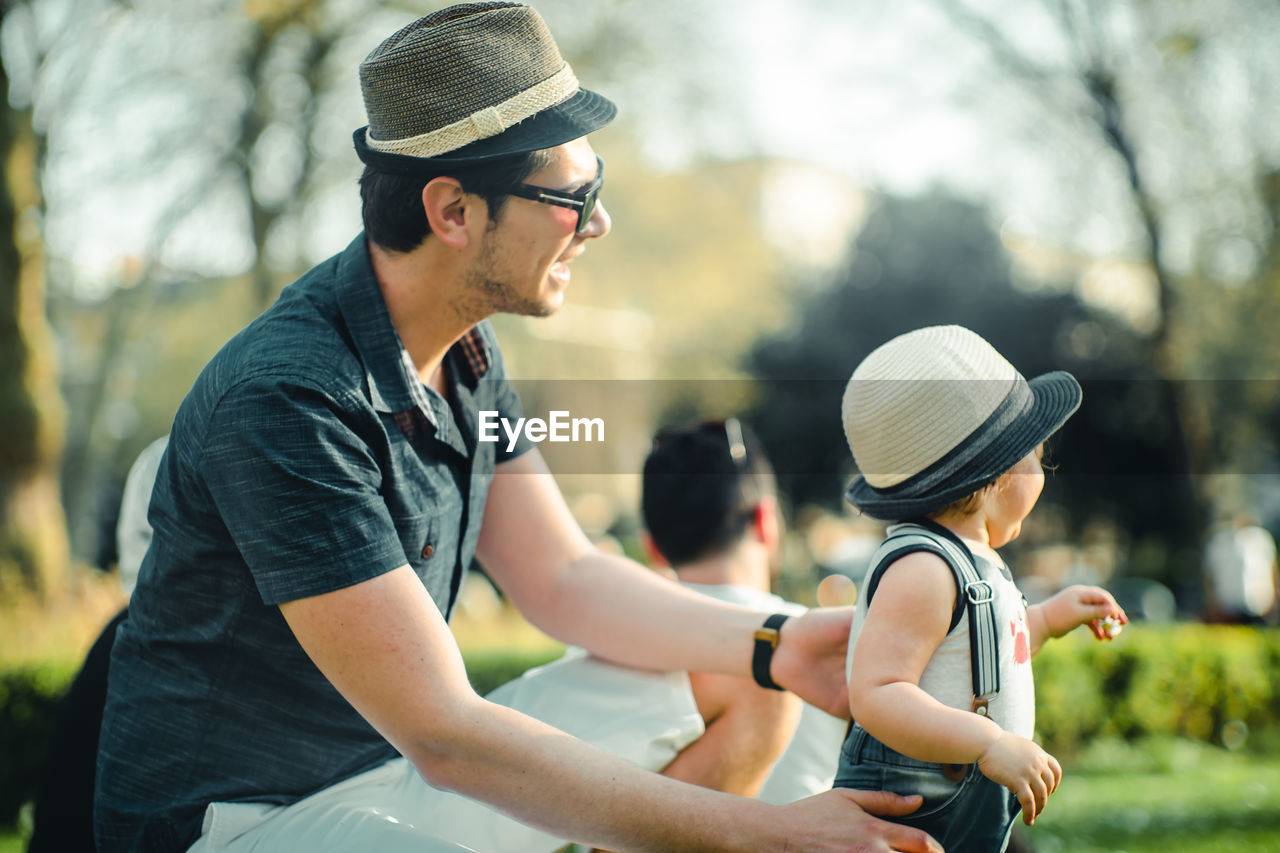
(762, 656)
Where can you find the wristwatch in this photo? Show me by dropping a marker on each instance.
(766, 640)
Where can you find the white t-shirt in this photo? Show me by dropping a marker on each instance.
(133, 531)
(808, 765)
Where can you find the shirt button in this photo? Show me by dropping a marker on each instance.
(427, 551)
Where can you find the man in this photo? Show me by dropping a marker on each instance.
(711, 516)
(324, 491)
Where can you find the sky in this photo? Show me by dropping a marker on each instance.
(889, 96)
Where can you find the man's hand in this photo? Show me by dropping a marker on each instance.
(841, 820)
(809, 659)
(1024, 768)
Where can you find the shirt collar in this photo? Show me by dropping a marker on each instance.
(393, 381)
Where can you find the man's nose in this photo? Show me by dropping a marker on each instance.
(599, 224)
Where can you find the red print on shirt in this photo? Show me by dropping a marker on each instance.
(1021, 645)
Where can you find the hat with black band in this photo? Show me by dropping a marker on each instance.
(468, 84)
(936, 414)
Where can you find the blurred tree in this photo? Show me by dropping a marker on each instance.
(1238, 382)
(279, 52)
(33, 543)
(937, 260)
(1173, 101)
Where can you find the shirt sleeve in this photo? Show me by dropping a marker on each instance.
(293, 475)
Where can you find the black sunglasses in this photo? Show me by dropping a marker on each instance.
(584, 201)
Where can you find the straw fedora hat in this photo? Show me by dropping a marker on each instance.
(470, 83)
(936, 414)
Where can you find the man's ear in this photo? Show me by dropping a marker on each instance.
(764, 523)
(656, 559)
(449, 210)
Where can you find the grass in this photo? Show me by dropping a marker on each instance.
(1165, 795)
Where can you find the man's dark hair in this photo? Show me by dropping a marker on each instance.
(392, 204)
(697, 498)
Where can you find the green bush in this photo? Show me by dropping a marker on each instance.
(29, 699)
(1177, 680)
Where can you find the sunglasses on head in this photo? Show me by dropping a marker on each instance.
(729, 428)
(583, 201)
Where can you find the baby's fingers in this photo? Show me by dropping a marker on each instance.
(1033, 795)
(1050, 780)
(1028, 802)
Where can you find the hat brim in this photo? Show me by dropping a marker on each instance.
(583, 113)
(1055, 396)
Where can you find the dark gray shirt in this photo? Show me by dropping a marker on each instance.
(307, 457)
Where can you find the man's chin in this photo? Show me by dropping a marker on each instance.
(544, 307)
(550, 302)
(551, 306)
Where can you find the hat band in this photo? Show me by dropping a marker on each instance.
(1016, 403)
(485, 123)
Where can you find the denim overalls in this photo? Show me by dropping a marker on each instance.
(964, 810)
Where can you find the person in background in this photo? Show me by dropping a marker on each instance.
(63, 815)
(711, 516)
(1240, 574)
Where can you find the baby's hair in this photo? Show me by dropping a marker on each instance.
(972, 502)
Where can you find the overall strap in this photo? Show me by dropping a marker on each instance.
(975, 594)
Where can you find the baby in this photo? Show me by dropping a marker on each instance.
(948, 438)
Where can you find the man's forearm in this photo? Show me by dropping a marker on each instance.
(563, 786)
(383, 644)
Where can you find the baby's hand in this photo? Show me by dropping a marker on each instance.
(1106, 628)
(1084, 605)
(1024, 768)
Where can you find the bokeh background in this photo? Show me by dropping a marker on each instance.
(1093, 186)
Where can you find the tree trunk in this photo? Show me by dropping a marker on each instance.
(34, 555)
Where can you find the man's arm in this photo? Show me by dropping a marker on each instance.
(535, 551)
(386, 648)
(748, 727)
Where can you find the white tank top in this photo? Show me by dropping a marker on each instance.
(948, 675)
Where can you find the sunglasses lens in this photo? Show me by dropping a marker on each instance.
(584, 213)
